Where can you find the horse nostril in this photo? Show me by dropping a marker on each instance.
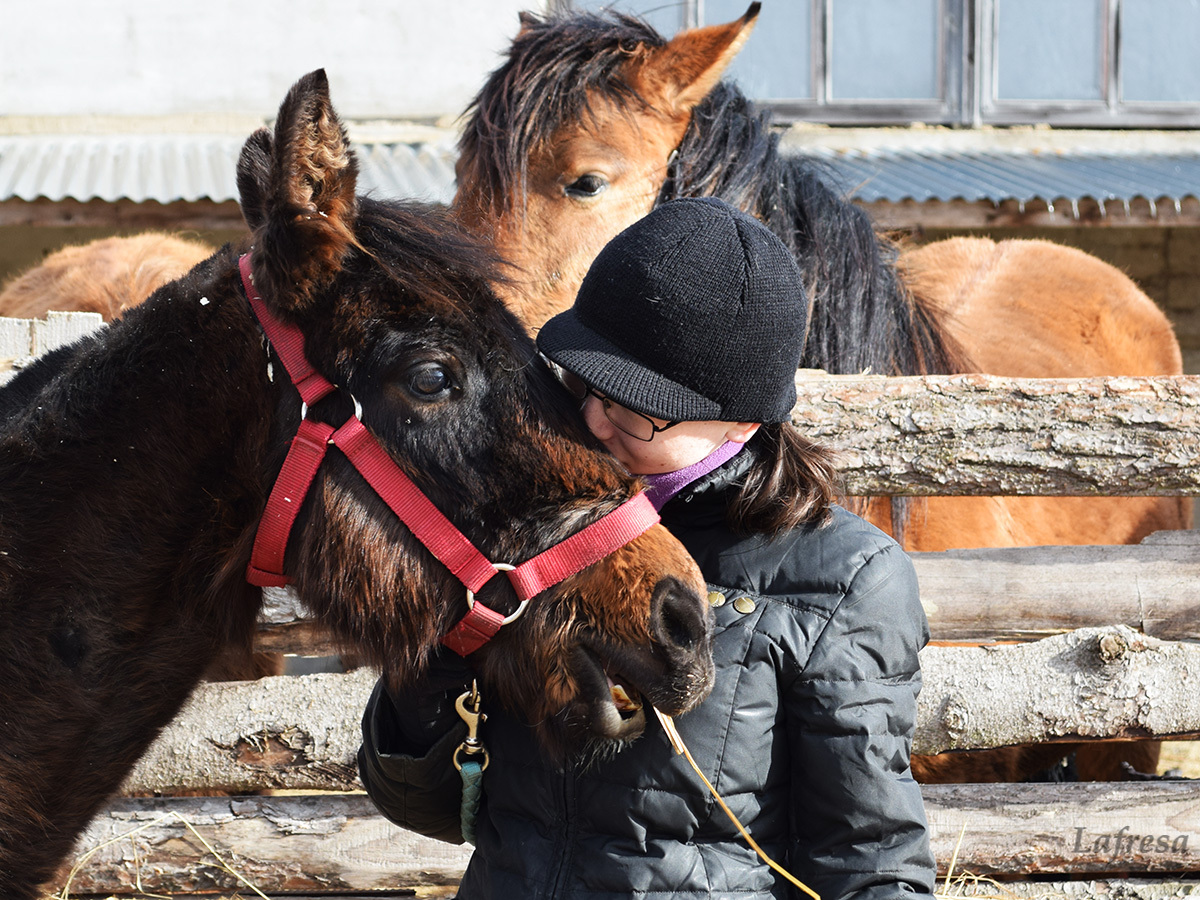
(678, 617)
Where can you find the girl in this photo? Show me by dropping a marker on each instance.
(682, 349)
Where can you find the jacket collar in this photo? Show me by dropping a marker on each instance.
(708, 494)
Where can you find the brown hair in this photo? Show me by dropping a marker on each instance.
(791, 482)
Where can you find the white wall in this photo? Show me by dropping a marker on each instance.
(410, 59)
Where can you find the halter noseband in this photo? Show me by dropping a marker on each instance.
(449, 545)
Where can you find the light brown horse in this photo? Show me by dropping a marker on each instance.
(105, 276)
(594, 119)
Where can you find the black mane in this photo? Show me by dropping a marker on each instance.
(862, 316)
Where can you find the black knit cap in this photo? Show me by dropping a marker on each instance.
(696, 312)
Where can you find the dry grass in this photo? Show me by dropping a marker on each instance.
(1181, 755)
(65, 892)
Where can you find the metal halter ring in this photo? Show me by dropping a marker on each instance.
(503, 567)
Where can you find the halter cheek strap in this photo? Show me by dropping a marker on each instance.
(449, 545)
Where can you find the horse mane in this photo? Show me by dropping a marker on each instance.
(554, 67)
(862, 317)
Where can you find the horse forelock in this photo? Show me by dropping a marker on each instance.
(557, 68)
(424, 253)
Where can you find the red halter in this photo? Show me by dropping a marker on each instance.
(617, 528)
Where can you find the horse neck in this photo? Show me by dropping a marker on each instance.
(862, 317)
(168, 394)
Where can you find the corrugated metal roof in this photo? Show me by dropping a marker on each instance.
(189, 167)
(894, 176)
(167, 168)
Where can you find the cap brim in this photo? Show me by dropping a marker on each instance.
(568, 342)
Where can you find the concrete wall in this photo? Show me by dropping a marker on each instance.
(408, 59)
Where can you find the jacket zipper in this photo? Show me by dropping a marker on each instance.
(558, 885)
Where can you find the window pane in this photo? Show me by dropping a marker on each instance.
(885, 50)
(776, 63)
(1160, 40)
(1049, 49)
(666, 17)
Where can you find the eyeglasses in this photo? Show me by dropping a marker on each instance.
(634, 424)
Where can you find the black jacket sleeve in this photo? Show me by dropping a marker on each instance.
(857, 812)
(406, 758)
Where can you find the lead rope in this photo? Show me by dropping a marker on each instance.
(469, 767)
(680, 747)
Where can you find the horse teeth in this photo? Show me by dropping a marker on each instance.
(622, 700)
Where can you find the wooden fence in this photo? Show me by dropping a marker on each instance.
(1039, 644)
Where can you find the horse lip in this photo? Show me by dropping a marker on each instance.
(595, 695)
(671, 689)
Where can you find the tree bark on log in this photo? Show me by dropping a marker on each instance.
(1065, 828)
(339, 842)
(292, 732)
(1027, 593)
(316, 843)
(988, 436)
(1090, 684)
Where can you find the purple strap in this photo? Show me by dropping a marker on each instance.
(661, 488)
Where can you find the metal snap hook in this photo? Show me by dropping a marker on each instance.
(469, 706)
(503, 567)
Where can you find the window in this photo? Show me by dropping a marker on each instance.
(1116, 63)
(1089, 62)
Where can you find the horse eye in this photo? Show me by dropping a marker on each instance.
(429, 380)
(586, 186)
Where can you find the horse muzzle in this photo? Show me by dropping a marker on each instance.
(673, 672)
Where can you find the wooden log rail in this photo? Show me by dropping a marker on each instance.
(1104, 650)
(1092, 683)
(944, 434)
(984, 435)
(337, 841)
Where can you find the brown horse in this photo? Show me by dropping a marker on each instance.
(135, 466)
(105, 276)
(594, 119)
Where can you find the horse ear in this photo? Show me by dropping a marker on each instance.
(254, 177)
(528, 20)
(682, 72)
(306, 210)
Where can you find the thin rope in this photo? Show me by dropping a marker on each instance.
(680, 747)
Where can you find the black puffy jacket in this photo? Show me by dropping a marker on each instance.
(806, 735)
